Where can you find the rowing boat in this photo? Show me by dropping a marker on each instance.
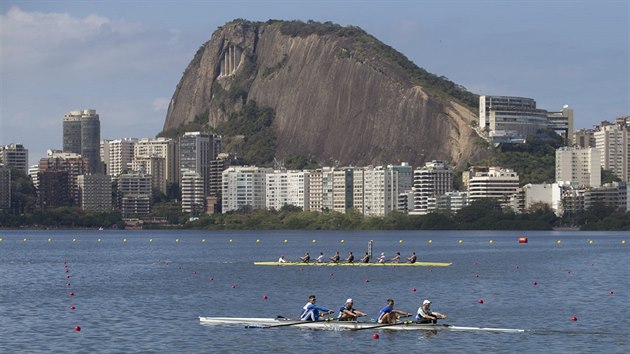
(353, 264)
(331, 324)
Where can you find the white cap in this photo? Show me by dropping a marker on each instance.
(426, 302)
(348, 301)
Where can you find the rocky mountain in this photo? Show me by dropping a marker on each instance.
(339, 95)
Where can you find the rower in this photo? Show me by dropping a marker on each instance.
(425, 315)
(306, 257)
(388, 314)
(350, 258)
(381, 259)
(310, 311)
(335, 258)
(366, 258)
(320, 258)
(347, 313)
(412, 258)
(396, 258)
(281, 259)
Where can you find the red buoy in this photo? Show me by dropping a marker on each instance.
(611, 293)
(414, 290)
(233, 286)
(72, 308)
(480, 301)
(367, 280)
(477, 276)
(522, 240)
(194, 273)
(67, 284)
(265, 297)
(375, 336)
(72, 293)
(573, 318)
(77, 328)
(67, 276)
(535, 283)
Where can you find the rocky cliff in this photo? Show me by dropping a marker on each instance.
(339, 95)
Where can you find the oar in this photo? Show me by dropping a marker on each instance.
(292, 323)
(386, 325)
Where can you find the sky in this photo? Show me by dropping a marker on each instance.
(125, 58)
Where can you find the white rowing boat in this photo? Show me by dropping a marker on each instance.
(332, 324)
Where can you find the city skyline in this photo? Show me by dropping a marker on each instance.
(124, 59)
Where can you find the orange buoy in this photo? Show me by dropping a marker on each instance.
(522, 240)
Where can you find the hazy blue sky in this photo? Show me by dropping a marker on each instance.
(124, 58)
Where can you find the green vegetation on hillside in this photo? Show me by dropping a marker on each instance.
(534, 161)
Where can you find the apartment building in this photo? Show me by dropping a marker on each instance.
(580, 166)
(95, 192)
(244, 186)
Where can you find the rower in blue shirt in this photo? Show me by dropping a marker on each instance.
(388, 314)
(310, 311)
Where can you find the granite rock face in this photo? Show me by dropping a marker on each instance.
(335, 98)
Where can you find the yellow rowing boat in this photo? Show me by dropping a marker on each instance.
(354, 264)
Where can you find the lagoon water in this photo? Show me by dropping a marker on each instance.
(145, 294)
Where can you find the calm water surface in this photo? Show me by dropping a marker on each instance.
(145, 294)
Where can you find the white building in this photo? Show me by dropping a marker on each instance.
(452, 201)
(550, 194)
(95, 192)
(578, 165)
(321, 189)
(430, 181)
(193, 199)
(375, 190)
(244, 186)
(287, 188)
(611, 142)
(160, 147)
(117, 155)
(492, 182)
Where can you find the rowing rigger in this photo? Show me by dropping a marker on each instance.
(331, 324)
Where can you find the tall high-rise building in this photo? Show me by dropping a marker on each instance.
(95, 192)
(193, 200)
(5, 187)
(430, 181)
(375, 190)
(82, 135)
(161, 147)
(580, 166)
(134, 194)
(244, 186)
(287, 188)
(196, 151)
(612, 143)
(155, 167)
(118, 155)
(14, 156)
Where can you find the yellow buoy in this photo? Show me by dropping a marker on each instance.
(176, 240)
(285, 241)
(257, 241)
(342, 241)
(230, 241)
(203, 240)
(314, 241)
(461, 241)
(24, 239)
(1, 239)
(400, 241)
(491, 241)
(430, 241)
(150, 240)
(99, 240)
(74, 240)
(50, 239)
(590, 242)
(623, 242)
(558, 242)
(124, 240)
